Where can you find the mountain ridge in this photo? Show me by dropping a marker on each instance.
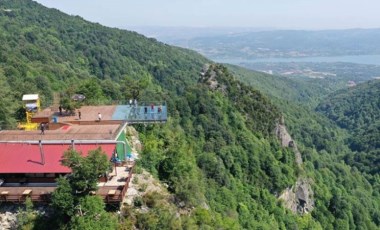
(217, 154)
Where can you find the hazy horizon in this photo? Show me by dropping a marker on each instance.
(292, 14)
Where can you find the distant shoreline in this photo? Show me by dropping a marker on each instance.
(356, 59)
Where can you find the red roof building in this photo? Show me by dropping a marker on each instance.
(30, 161)
(27, 158)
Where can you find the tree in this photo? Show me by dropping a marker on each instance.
(85, 170)
(90, 214)
(6, 105)
(71, 200)
(68, 104)
(93, 91)
(26, 218)
(133, 87)
(63, 198)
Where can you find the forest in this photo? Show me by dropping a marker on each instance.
(358, 111)
(217, 154)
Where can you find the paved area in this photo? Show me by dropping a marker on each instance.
(118, 177)
(67, 132)
(88, 113)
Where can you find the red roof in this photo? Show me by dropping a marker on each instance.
(26, 158)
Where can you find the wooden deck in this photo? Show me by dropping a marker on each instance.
(43, 194)
(19, 194)
(110, 194)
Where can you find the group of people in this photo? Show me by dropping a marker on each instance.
(159, 109)
(133, 102)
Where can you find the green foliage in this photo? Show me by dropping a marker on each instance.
(71, 200)
(26, 218)
(358, 110)
(297, 90)
(217, 153)
(63, 198)
(221, 144)
(132, 87)
(90, 214)
(85, 170)
(6, 105)
(60, 52)
(92, 90)
(323, 146)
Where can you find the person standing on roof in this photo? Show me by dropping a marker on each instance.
(42, 128)
(99, 116)
(79, 114)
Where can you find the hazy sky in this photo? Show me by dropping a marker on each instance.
(282, 14)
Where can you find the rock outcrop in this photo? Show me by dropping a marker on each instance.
(287, 141)
(8, 220)
(8, 216)
(300, 197)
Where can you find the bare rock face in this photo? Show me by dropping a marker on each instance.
(304, 196)
(287, 141)
(8, 220)
(299, 198)
(209, 77)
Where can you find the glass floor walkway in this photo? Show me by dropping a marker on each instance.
(142, 113)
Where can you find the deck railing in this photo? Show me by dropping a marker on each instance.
(43, 194)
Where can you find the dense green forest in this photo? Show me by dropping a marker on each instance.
(357, 109)
(323, 144)
(217, 153)
(303, 91)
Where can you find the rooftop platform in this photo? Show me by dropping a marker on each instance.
(143, 113)
(95, 131)
(88, 113)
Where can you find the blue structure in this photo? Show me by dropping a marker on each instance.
(142, 113)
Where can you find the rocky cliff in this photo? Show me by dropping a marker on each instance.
(300, 197)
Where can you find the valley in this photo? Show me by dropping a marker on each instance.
(239, 149)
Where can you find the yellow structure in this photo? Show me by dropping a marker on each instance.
(32, 105)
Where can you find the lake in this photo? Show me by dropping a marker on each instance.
(358, 59)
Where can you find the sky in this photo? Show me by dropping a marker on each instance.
(279, 14)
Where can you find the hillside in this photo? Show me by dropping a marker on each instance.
(217, 155)
(357, 109)
(354, 108)
(44, 51)
(322, 143)
(297, 90)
